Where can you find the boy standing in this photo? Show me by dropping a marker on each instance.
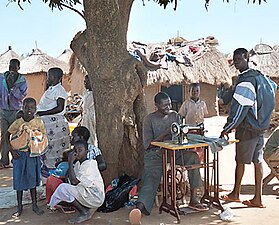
(13, 89)
(194, 109)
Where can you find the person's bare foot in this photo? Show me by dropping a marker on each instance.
(82, 217)
(37, 210)
(233, 196)
(135, 217)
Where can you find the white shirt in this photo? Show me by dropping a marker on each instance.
(49, 99)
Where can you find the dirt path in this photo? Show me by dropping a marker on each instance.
(242, 214)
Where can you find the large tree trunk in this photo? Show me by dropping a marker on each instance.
(117, 84)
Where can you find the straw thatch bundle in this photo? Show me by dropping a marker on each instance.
(265, 59)
(5, 59)
(276, 47)
(38, 61)
(65, 56)
(211, 68)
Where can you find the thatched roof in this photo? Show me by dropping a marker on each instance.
(203, 63)
(211, 68)
(266, 60)
(38, 61)
(5, 59)
(276, 47)
(65, 56)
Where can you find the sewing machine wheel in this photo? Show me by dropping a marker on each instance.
(175, 128)
(181, 186)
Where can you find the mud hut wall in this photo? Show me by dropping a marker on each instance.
(77, 81)
(209, 95)
(149, 94)
(66, 82)
(36, 85)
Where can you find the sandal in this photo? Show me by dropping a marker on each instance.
(199, 207)
(3, 166)
(249, 203)
(227, 198)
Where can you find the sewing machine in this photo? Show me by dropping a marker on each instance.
(179, 132)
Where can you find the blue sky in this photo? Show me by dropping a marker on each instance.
(236, 24)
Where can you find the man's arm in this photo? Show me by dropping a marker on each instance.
(244, 98)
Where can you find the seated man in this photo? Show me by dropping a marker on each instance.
(271, 156)
(156, 127)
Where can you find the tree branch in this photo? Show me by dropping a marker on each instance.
(75, 10)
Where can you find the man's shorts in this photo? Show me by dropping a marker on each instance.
(249, 148)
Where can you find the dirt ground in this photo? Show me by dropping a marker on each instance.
(242, 214)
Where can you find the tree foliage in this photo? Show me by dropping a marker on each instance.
(70, 3)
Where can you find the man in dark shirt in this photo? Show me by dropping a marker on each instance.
(156, 127)
(13, 88)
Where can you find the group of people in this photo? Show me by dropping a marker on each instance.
(252, 103)
(37, 137)
(73, 173)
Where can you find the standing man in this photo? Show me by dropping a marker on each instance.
(157, 127)
(251, 108)
(13, 88)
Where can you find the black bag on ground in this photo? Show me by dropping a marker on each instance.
(117, 197)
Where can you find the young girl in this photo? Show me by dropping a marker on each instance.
(86, 191)
(51, 109)
(82, 133)
(25, 151)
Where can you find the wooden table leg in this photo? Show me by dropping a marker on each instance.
(172, 207)
(164, 205)
(216, 201)
(206, 198)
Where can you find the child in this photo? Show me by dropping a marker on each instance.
(82, 133)
(86, 191)
(194, 109)
(27, 169)
(79, 133)
(51, 109)
(88, 112)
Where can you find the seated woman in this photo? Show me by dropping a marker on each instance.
(86, 191)
(271, 156)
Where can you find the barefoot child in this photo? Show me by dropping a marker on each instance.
(26, 152)
(86, 191)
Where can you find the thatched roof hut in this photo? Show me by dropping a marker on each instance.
(38, 62)
(5, 59)
(65, 55)
(265, 59)
(191, 62)
(212, 68)
(35, 67)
